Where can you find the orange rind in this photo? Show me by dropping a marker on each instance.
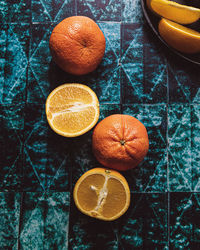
(176, 12)
(179, 37)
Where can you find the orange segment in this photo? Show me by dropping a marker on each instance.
(87, 194)
(102, 194)
(179, 37)
(176, 12)
(72, 109)
(115, 200)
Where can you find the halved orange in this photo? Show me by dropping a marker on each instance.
(179, 37)
(72, 109)
(176, 12)
(102, 194)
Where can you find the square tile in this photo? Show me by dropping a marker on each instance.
(51, 11)
(45, 220)
(11, 146)
(184, 220)
(83, 158)
(46, 155)
(100, 10)
(9, 222)
(38, 73)
(105, 80)
(155, 70)
(88, 233)
(14, 56)
(184, 145)
(183, 81)
(144, 71)
(132, 11)
(151, 174)
(15, 11)
(179, 133)
(143, 226)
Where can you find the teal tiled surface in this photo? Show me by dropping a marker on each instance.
(11, 146)
(101, 10)
(46, 156)
(184, 221)
(38, 168)
(15, 11)
(144, 70)
(10, 215)
(52, 11)
(14, 57)
(45, 219)
(144, 226)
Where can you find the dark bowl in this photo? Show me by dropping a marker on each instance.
(153, 21)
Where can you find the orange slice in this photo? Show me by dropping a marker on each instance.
(176, 12)
(179, 37)
(102, 194)
(72, 109)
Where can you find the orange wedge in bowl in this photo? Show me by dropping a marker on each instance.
(102, 194)
(179, 37)
(72, 109)
(176, 12)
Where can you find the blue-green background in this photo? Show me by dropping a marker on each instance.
(38, 168)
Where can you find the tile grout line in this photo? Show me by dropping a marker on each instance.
(70, 199)
(167, 137)
(20, 220)
(168, 218)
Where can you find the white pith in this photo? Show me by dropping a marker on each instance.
(102, 195)
(75, 107)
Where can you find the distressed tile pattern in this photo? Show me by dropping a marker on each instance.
(47, 155)
(9, 219)
(52, 11)
(14, 58)
(144, 225)
(38, 168)
(144, 71)
(180, 172)
(15, 11)
(184, 220)
(101, 10)
(38, 85)
(183, 82)
(131, 11)
(183, 150)
(45, 220)
(11, 146)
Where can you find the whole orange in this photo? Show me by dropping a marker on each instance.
(77, 45)
(120, 142)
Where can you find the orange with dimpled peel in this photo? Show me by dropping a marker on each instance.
(77, 45)
(120, 142)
